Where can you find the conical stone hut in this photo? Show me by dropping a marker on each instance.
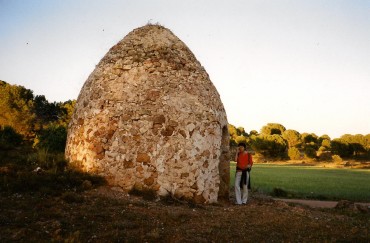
(149, 118)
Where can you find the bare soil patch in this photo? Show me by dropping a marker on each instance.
(326, 204)
(104, 215)
(311, 203)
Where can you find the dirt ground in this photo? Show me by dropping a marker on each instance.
(104, 215)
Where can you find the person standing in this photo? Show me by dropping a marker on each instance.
(244, 163)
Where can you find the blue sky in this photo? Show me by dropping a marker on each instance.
(304, 64)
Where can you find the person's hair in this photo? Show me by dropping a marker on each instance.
(242, 144)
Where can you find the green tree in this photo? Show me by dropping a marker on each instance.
(323, 137)
(270, 145)
(233, 134)
(53, 138)
(253, 132)
(367, 146)
(310, 152)
(367, 141)
(241, 139)
(357, 143)
(46, 112)
(16, 105)
(273, 128)
(341, 147)
(326, 143)
(29, 115)
(66, 112)
(9, 138)
(310, 144)
(292, 137)
(238, 135)
(309, 138)
(241, 131)
(294, 153)
(232, 130)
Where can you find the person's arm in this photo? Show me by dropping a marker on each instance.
(250, 160)
(236, 156)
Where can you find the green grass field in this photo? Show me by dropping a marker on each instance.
(309, 182)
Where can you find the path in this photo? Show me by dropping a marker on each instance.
(315, 203)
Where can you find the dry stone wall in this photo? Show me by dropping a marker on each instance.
(149, 117)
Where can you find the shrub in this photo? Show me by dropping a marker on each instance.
(48, 182)
(48, 161)
(294, 153)
(9, 138)
(53, 138)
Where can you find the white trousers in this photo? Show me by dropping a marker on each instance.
(241, 197)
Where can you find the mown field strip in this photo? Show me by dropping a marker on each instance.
(310, 182)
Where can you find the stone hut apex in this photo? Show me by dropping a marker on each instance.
(149, 118)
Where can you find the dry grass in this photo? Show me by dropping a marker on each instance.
(103, 215)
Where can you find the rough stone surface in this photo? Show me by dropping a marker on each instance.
(148, 117)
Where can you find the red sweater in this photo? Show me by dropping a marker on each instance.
(244, 159)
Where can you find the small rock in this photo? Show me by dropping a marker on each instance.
(38, 170)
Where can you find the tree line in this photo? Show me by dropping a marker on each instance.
(33, 120)
(26, 119)
(33, 133)
(275, 141)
